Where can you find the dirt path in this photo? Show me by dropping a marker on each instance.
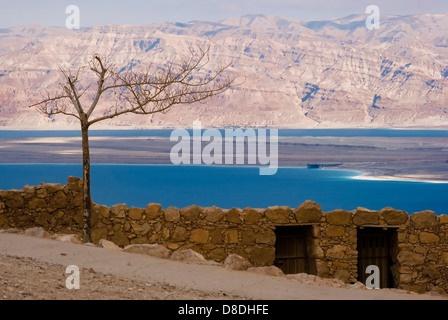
(34, 268)
(29, 279)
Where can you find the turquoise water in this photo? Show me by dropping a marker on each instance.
(228, 187)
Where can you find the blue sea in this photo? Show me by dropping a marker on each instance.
(227, 187)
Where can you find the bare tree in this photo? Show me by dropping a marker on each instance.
(152, 90)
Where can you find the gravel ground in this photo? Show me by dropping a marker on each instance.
(35, 268)
(27, 279)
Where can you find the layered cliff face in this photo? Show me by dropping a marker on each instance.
(295, 73)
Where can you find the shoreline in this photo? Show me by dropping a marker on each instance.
(408, 159)
(402, 178)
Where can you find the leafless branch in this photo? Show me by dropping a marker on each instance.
(148, 91)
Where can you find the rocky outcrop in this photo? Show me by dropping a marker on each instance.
(155, 250)
(103, 243)
(37, 232)
(269, 271)
(188, 256)
(236, 262)
(68, 238)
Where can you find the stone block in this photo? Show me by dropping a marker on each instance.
(153, 211)
(13, 199)
(316, 252)
(340, 265)
(251, 216)
(216, 236)
(37, 203)
(426, 237)
(262, 255)
(75, 184)
(339, 217)
(265, 237)
(402, 236)
(335, 231)
(248, 237)
(443, 219)
(172, 214)
(405, 278)
(119, 210)
(444, 257)
(98, 234)
(77, 201)
(231, 236)
(365, 216)
(103, 211)
(3, 221)
(54, 187)
(58, 200)
(120, 239)
(199, 236)
(336, 252)
(141, 229)
(424, 219)
(394, 217)
(190, 213)
(234, 215)
(277, 214)
(135, 213)
(409, 258)
(218, 254)
(29, 190)
(420, 249)
(179, 234)
(213, 214)
(308, 212)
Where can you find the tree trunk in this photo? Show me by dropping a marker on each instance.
(87, 203)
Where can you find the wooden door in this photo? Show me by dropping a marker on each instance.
(291, 250)
(373, 249)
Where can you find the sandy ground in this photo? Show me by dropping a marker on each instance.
(34, 268)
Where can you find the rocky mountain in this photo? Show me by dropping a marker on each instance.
(297, 74)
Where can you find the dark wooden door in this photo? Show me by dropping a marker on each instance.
(373, 249)
(291, 250)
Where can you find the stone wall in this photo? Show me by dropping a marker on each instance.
(423, 253)
(420, 254)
